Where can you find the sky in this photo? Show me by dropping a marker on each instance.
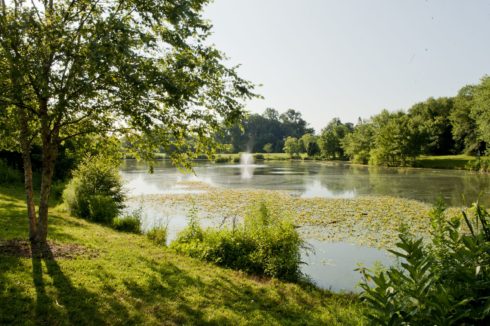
(351, 59)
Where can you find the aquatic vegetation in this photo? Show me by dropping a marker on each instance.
(372, 221)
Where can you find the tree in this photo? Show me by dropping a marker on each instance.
(136, 67)
(398, 138)
(433, 115)
(293, 124)
(331, 138)
(291, 146)
(268, 148)
(481, 111)
(464, 129)
(309, 144)
(358, 144)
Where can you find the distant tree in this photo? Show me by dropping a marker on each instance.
(358, 144)
(268, 148)
(331, 138)
(433, 117)
(293, 124)
(313, 149)
(140, 68)
(481, 111)
(398, 139)
(305, 140)
(464, 129)
(292, 146)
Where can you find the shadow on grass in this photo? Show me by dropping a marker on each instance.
(179, 297)
(62, 302)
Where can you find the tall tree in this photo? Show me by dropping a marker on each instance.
(433, 116)
(464, 130)
(140, 67)
(331, 138)
(481, 111)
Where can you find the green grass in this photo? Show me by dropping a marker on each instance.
(458, 162)
(134, 281)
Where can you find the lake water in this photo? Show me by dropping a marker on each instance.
(313, 179)
(332, 264)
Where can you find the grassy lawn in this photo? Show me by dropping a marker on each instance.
(444, 162)
(126, 279)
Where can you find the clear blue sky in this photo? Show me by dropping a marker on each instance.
(350, 58)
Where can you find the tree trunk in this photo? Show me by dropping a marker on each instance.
(50, 151)
(31, 208)
(29, 188)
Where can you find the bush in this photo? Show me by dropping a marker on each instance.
(9, 174)
(481, 164)
(445, 283)
(131, 223)
(222, 159)
(259, 157)
(158, 235)
(95, 192)
(264, 244)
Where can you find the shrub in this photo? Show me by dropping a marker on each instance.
(445, 283)
(222, 159)
(264, 244)
(129, 223)
(259, 157)
(236, 159)
(9, 174)
(481, 164)
(95, 192)
(158, 235)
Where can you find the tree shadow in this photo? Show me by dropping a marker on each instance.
(181, 298)
(14, 302)
(61, 302)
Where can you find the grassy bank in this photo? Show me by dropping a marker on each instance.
(458, 162)
(101, 276)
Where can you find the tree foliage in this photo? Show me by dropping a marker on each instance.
(142, 68)
(331, 138)
(292, 146)
(270, 127)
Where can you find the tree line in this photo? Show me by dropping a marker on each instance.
(437, 126)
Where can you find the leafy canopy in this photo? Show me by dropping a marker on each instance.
(139, 67)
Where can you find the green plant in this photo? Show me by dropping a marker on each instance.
(8, 174)
(222, 159)
(129, 223)
(264, 244)
(95, 192)
(158, 235)
(444, 283)
(481, 164)
(259, 157)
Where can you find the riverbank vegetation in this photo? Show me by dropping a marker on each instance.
(96, 275)
(445, 282)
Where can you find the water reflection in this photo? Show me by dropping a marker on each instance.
(332, 265)
(314, 179)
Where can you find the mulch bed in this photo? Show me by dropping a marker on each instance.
(51, 250)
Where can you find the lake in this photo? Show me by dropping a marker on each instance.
(332, 264)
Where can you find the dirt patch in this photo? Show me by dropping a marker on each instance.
(51, 250)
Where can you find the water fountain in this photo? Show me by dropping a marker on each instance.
(247, 165)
